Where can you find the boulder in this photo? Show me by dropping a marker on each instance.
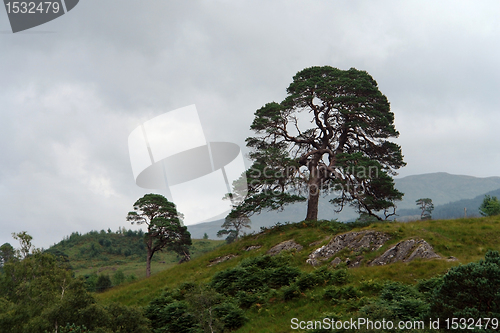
(371, 240)
(335, 261)
(284, 246)
(406, 251)
(220, 259)
(253, 247)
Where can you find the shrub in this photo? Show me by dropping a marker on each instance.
(336, 293)
(470, 290)
(255, 275)
(103, 283)
(291, 292)
(340, 277)
(232, 316)
(397, 301)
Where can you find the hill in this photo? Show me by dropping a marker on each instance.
(106, 252)
(441, 187)
(323, 290)
(452, 210)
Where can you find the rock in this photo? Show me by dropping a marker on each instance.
(335, 261)
(451, 258)
(253, 247)
(220, 259)
(313, 262)
(284, 246)
(406, 251)
(354, 263)
(355, 241)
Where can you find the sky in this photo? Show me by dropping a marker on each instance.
(72, 90)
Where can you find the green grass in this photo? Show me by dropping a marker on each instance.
(108, 259)
(466, 239)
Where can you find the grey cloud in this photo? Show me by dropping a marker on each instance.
(70, 98)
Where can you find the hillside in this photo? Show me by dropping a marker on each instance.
(106, 252)
(441, 187)
(451, 210)
(352, 289)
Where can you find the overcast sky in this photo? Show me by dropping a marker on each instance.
(72, 90)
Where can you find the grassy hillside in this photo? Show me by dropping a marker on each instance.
(466, 239)
(105, 252)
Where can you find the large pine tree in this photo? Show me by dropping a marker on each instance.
(343, 146)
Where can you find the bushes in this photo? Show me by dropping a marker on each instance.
(469, 291)
(397, 301)
(342, 293)
(255, 275)
(193, 308)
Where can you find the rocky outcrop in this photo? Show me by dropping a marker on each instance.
(284, 246)
(335, 261)
(355, 241)
(253, 247)
(406, 251)
(220, 259)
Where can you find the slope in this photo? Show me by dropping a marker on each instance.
(466, 239)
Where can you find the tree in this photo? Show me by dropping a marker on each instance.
(25, 242)
(344, 147)
(7, 253)
(426, 205)
(490, 206)
(103, 283)
(165, 229)
(205, 236)
(233, 224)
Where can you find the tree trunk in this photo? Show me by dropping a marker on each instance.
(148, 258)
(313, 201)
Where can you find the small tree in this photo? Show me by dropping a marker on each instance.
(233, 224)
(165, 229)
(490, 206)
(25, 242)
(426, 205)
(205, 236)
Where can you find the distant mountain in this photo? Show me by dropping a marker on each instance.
(452, 210)
(441, 187)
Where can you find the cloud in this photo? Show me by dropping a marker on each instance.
(70, 98)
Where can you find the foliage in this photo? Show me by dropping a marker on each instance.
(232, 226)
(103, 282)
(490, 206)
(39, 294)
(272, 307)
(25, 242)
(426, 206)
(7, 253)
(346, 149)
(469, 291)
(255, 275)
(193, 308)
(165, 229)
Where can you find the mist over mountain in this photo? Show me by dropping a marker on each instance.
(449, 193)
